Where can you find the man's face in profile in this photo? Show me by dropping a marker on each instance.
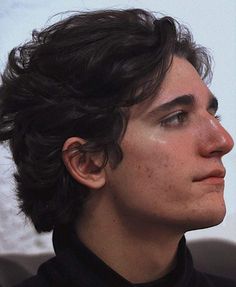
(172, 172)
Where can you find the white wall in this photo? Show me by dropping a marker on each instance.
(213, 24)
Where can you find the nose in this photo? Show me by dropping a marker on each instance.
(216, 140)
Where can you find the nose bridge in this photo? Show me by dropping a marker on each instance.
(217, 139)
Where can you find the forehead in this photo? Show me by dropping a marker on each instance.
(181, 79)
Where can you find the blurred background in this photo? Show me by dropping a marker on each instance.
(213, 24)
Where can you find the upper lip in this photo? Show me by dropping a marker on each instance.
(214, 173)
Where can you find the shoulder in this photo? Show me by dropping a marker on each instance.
(210, 280)
(57, 271)
(35, 281)
(42, 278)
(46, 272)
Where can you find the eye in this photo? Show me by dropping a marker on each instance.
(174, 120)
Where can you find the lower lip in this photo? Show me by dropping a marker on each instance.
(213, 180)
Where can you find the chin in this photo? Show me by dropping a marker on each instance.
(211, 212)
(212, 222)
(210, 219)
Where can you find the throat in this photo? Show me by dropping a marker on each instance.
(137, 251)
(135, 260)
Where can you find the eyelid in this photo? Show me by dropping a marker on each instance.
(172, 114)
(212, 110)
(169, 120)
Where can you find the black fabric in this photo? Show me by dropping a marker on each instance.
(76, 266)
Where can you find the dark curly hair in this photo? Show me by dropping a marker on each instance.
(79, 77)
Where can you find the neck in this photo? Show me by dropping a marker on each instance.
(138, 252)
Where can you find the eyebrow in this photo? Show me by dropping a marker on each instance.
(184, 100)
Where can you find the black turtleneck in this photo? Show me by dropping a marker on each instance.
(75, 265)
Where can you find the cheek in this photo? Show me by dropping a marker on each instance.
(152, 178)
(155, 155)
(154, 163)
(148, 168)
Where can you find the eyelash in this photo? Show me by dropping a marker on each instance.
(218, 117)
(181, 117)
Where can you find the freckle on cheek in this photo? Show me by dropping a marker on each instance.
(169, 187)
(149, 172)
(164, 162)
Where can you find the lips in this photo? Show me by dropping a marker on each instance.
(216, 175)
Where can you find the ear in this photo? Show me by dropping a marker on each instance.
(83, 167)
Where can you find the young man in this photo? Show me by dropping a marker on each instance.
(118, 148)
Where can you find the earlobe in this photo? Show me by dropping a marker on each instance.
(84, 168)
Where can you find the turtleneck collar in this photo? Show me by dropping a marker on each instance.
(98, 273)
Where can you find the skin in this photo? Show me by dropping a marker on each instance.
(156, 179)
(170, 180)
